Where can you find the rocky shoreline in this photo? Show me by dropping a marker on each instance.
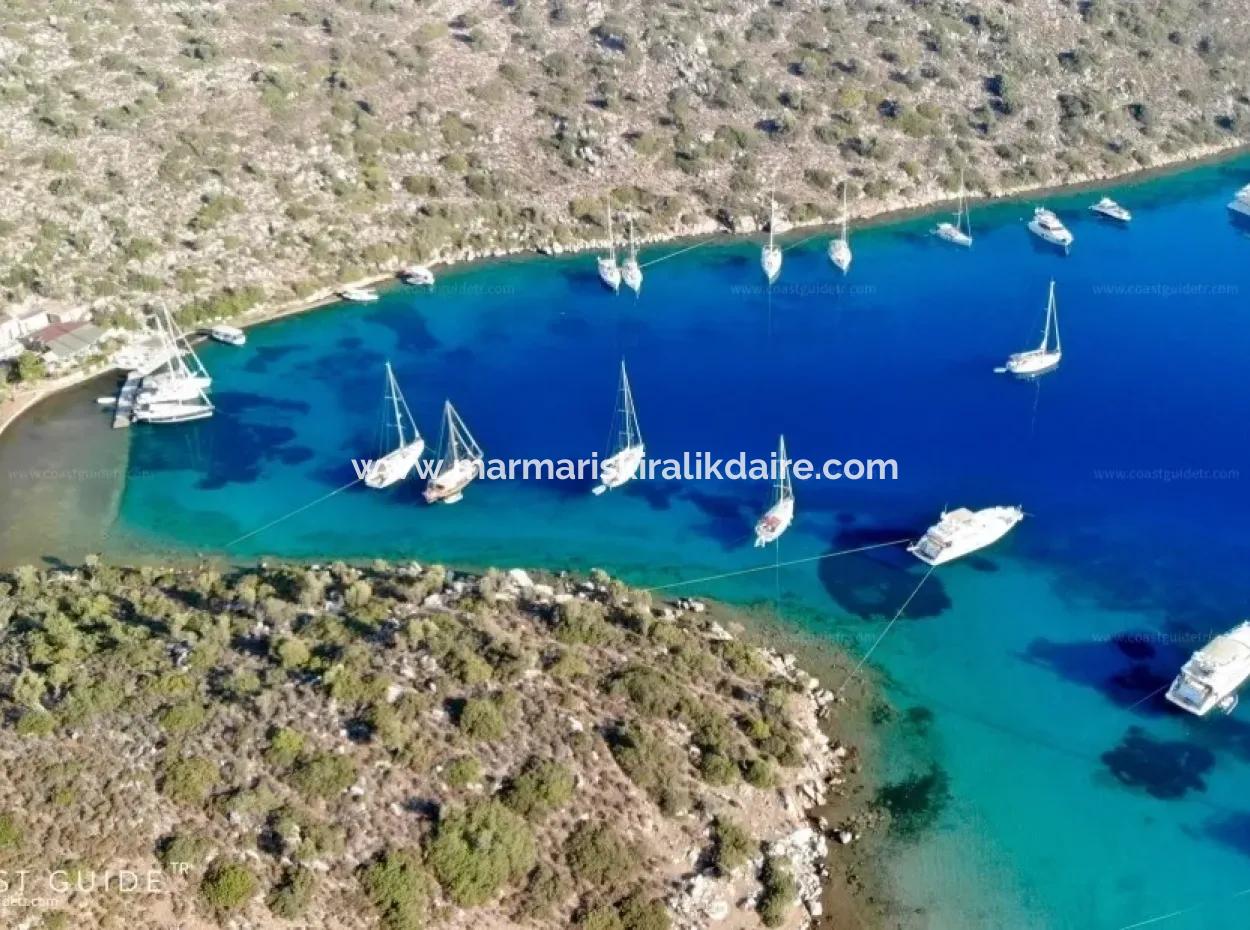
(874, 212)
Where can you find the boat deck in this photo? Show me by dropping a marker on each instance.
(124, 411)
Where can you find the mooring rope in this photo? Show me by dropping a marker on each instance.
(1185, 910)
(779, 564)
(295, 512)
(888, 626)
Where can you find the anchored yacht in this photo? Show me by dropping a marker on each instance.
(962, 531)
(396, 464)
(1241, 202)
(459, 462)
(360, 295)
(609, 272)
(1045, 225)
(629, 451)
(1213, 674)
(418, 275)
(770, 255)
(840, 248)
(176, 394)
(780, 515)
(1034, 362)
(1112, 210)
(631, 271)
(960, 231)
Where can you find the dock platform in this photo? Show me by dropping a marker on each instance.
(124, 410)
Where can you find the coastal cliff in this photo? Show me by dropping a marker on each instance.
(401, 747)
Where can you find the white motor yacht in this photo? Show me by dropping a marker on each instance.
(417, 275)
(360, 295)
(963, 531)
(230, 335)
(1045, 225)
(1112, 210)
(1213, 674)
(1241, 202)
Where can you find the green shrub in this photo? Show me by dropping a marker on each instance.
(717, 769)
(760, 773)
(779, 892)
(189, 779)
(324, 775)
(182, 849)
(539, 788)
(545, 889)
(482, 719)
(227, 886)
(292, 895)
(463, 772)
(10, 832)
(399, 888)
(648, 761)
(638, 912)
(600, 918)
(182, 718)
(479, 848)
(285, 747)
(731, 845)
(599, 857)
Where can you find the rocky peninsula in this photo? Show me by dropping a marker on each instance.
(407, 746)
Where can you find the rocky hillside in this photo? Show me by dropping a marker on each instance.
(232, 153)
(399, 748)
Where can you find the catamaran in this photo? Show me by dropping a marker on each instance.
(1211, 677)
(396, 464)
(960, 231)
(459, 462)
(1034, 362)
(627, 455)
(780, 515)
(962, 531)
(840, 248)
(631, 271)
(1241, 202)
(1110, 209)
(417, 275)
(609, 273)
(176, 394)
(770, 255)
(1045, 225)
(360, 295)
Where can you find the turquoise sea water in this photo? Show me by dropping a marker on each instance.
(1025, 674)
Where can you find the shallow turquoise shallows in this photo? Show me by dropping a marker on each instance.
(1077, 798)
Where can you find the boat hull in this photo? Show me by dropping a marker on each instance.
(1240, 206)
(770, 262)
(937, 547)
(1033, 364)
(394, 466)
(610, 274)
(774, 523)
(631, 274)
(173, 413)
(840, 254)
(952, 234)
(448, 486)
(620, 468)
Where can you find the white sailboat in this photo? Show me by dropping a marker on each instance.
(780, 515)
(177, 393)
(770, 255)
(609, 273)
(459, 462)
(960, 231)
(840, 248)
(629, 451)
(395, 465)
(1035, 362)
(631, 271)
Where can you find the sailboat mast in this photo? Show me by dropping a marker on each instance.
(630, 434)
(1052, 313)
(772, 219)
(1050, 309)
(844, 183)
(393, 389)
(784, 490)
(611, 241)
(633, 249)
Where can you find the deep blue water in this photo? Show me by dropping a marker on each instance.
(1071, 805)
